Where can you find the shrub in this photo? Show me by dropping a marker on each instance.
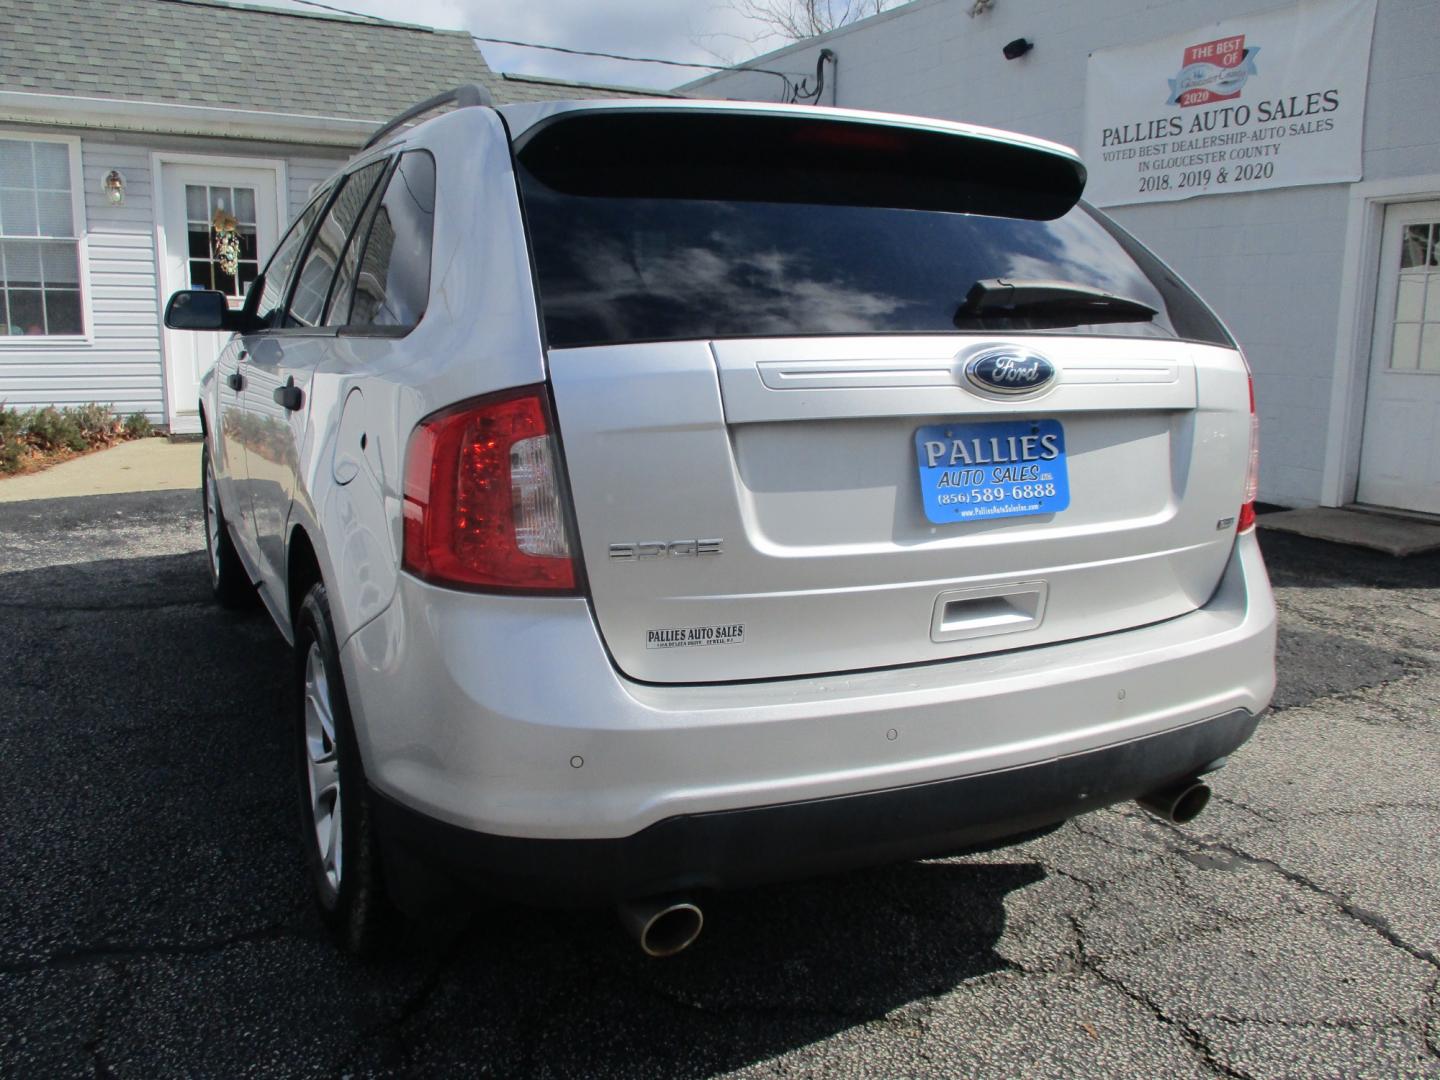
(138, 426)
(51, 429)
(98, 424)
(12, 425)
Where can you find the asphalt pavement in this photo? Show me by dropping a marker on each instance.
(154, 920)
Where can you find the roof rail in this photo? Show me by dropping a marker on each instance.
(462, 97)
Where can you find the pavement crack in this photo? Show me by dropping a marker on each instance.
(1371, 919)
(1192, 1037)
(1432, 1026)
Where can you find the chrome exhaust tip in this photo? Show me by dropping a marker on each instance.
(1179, 803)
(662, 925)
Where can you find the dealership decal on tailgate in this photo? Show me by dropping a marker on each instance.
(684, 637)
(1003, 468)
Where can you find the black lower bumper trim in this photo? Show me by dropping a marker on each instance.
(736, 848)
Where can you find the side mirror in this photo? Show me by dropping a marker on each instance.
(198, 309)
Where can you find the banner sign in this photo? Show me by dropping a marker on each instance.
(1259, 101)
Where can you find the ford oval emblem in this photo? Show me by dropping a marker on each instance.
(1010, 371)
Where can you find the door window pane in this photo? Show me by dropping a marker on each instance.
(1430, 347)
(313, 289)
(1414, 246)
(1410, 302)
(195, 202)
(1405, 348)
(393, 284)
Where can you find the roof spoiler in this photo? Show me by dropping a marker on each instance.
(795, 156)
(462, 97)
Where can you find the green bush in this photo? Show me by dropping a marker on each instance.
(12, 425)
(48, 430)
(52, 429)
(138, 426)
(98, 424)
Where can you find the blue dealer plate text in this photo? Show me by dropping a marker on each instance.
(1005, 468)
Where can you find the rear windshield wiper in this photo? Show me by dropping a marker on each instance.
(1048, 303)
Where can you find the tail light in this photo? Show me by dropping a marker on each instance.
(1252, 473)
(483, 508)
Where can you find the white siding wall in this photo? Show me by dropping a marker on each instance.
(1269, 262)
(123, 365)
(305, 174)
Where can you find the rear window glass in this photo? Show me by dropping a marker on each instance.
(663, 264)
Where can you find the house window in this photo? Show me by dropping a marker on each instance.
(39, 245)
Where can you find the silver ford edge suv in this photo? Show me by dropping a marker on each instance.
(666, 496)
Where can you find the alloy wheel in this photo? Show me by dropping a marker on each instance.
(212, 523)
(323, 767)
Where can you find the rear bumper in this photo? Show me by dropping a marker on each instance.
(504, 717)
(736, 848)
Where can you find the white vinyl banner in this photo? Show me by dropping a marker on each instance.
(1259, 101)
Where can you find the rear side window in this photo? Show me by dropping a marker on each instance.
(313, 287)
(817, 232)
(392, 285)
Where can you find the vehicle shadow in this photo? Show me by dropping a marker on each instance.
(150, 822)
(777, 968)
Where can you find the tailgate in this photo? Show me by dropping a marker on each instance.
(753, 508)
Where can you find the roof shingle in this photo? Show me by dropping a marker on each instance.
(205, 52)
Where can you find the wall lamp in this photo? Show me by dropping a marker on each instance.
(114, 185)
(1013, 50)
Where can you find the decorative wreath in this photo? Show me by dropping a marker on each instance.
(225, 238)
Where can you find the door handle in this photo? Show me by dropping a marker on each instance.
(236, 381)
(289, 396)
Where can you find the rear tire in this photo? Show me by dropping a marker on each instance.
(336, 825)
(228, 580)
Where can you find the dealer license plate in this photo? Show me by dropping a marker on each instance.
(1002, 468)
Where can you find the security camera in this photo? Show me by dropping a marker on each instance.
(1019, 47)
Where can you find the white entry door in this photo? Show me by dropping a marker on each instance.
(219, 226)
(1400, 456)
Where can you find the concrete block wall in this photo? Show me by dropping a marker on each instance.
(1271, 262)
